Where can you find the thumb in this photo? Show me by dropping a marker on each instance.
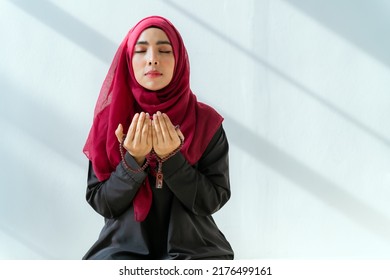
(119, 133)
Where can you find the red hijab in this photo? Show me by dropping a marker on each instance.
(121, 97)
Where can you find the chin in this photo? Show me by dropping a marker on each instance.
(154, 88)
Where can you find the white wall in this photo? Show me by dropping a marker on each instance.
(304, 88)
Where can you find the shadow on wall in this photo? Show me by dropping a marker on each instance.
(289, 167)
(26, 243)
(45, 125)
(101, 47)
(366, 24)
(42, 123)
(302, 88)
(322, 188)
(309, 180)
(69, 27)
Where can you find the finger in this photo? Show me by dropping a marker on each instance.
(133, 125)
(119, 133)
(164, 128)
(145, 129)
(157, 129)
(138, 130)
(154, 135)
(150, 131)
(170, 127)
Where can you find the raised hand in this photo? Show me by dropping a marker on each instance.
(166, 138)
(138, 141)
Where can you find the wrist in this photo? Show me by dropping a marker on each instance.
(140, 160)
(165, 156)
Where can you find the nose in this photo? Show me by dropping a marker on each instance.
(152, 60)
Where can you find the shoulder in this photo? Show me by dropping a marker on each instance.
(205, 108)
(218, 141)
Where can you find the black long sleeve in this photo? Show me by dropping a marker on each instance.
(113, 196)
(203, 188)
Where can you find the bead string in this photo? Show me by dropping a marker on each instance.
(159, 175)
(171, 154)
(152, 153)
(142, 168)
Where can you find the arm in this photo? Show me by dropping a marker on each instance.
(113, 196)
(203, 188)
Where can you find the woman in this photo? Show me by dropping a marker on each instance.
(158, 183)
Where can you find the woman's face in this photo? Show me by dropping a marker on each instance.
(153, 60)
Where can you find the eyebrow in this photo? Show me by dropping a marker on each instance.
(158, 43)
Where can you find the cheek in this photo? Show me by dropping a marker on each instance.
(138, 67)
(170, 65)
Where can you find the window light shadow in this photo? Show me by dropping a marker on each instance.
(302, 88)
(31, 246)
(83, 35)
(364, 23)
(309, 180)
(41, 122)
(70, 27)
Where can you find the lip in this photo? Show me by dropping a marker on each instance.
(153, 73)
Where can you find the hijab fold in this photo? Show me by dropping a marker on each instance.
(121, 97)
